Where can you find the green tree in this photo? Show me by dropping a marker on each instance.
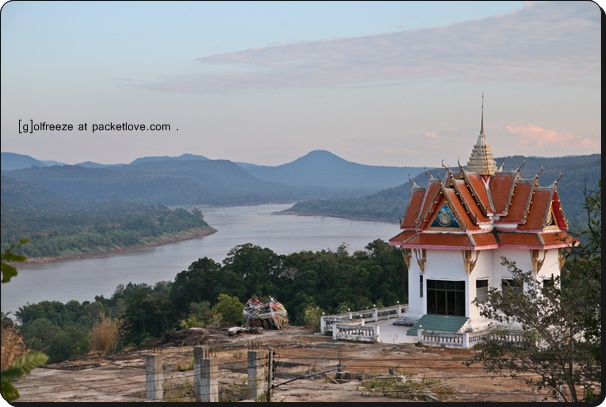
(230, 309)
(561, 321)
(311, 318)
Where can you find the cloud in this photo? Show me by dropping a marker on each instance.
(430, 135)
(540, 138)
(539, 43)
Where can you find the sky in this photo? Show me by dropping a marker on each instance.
(394, 83)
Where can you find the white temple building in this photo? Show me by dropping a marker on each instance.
(455, 231)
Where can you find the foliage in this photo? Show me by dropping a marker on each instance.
(20, 367)
(9, 271)
(208, 294)
(199, 315)
(13, 348)
(13, 345)
(311, 317)
(106, 334)
(230, 309)
(408, 386)
(95, 228)
(561, 321)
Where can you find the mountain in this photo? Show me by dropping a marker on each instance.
(14, 161)
(323, 168)
(91, 164)
(27, 195)
(83, 185)
(224, 178)
(577, 174)
(167, 158)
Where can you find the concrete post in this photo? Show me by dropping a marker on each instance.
(255, 373)
(375, 314)
(465, 340)
(206, 375)
(154, 379)
(420, 334)
(322, 325)
(378, 334)
(270, 374)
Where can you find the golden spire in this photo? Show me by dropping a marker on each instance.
(482, 161)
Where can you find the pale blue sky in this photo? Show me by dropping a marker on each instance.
(380, 83)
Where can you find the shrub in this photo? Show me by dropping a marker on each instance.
(13, 346)
(106, 335)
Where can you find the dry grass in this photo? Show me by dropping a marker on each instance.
(106, 335)
(13, 346)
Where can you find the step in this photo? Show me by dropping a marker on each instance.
(438, 323)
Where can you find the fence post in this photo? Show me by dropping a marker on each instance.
(420, 334)
(270, 374)
(154, 379)
(322, 324)
(255, 372)
(375, 314)
(206, 375)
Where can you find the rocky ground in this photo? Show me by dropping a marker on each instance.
(431, 373)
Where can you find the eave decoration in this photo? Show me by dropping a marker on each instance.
(536, 263)
(421, 257)
(468, 262)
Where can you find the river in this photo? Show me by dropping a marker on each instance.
(83, 279)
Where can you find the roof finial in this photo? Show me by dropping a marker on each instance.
(482, 124)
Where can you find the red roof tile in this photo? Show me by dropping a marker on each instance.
(501, 187)
(539, 207)
(470, 204)
(542, 240)
(414, 208)
(449, 241)
(520, 200)
(478, 189)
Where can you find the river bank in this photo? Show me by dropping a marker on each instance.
(162, 240)
(356, 218)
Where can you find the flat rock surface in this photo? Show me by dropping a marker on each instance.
(310, 359)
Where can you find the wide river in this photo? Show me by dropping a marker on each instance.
(83, 279)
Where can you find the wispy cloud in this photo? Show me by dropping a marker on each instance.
(539, 138)
(542, 42)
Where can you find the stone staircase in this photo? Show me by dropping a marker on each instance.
(440, 323)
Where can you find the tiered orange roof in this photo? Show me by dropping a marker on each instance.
(483, 208)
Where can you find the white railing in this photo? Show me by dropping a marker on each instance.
(462, 340)
(369, 315)
(356, 331)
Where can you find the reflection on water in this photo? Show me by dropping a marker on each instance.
(83, 279)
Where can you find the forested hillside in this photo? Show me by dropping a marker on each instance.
(577, 173)
(96, 228)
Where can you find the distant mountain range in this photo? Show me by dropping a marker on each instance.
(321, 182)
(193, 179)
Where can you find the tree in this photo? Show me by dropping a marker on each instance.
(230, 309)
(26, 363)
(561, 321)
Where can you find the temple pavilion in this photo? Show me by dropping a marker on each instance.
(455, 231)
